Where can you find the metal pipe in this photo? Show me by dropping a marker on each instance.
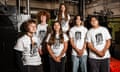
(18, 6)
(83, 10)
(28, 6)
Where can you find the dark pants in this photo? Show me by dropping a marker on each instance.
(33, 68)
(45, 63)
(96, 65)
(57, 66)
(45, 58)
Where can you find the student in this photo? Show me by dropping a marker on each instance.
(57, 46)
(42, 30)
(99, 41)
(77, 40)
(63, 17)
(30, 48)
(43, 18)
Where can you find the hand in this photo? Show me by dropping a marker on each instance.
(101, 53)
(80, 53)
(58, 59)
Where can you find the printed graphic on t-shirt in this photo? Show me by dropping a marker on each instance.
(42, 34)
(63, 22)
(57, 44)
(99, 39)
(33, 50)
(77, 35)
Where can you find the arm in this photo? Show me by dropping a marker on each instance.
(73, 45)
(84, 46)
(51, 52)
(40, 48)
(102, 53)
(90, 45)
(85, 43)
(108, 42)
(99, 53)
(107, 46)
(64, 50)
(81, 51)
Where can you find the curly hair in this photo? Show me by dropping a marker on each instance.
(45, 13)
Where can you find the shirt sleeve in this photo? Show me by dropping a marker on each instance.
(65, 38)
(88, 37)
(19, 45)
(56, 18)
(68, 17)
(71, 33)
(107, 34)
(86, 30)
(48, 37)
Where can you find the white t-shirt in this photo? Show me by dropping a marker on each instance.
(30, 55)
(64, 24)
(41, 32)
(98, 38)
(79, 35)
(57, 47)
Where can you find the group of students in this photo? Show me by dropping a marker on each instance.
(41, 38)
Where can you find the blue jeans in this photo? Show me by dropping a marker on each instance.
(79, 61)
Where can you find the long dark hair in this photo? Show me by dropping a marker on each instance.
(94, 16)
(75, 18)
(60, 13)
(53, 35)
